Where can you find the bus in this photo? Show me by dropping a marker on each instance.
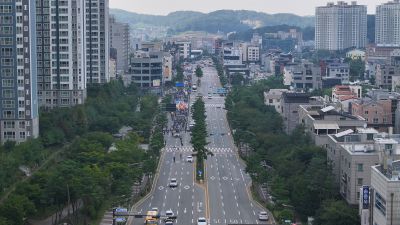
(151, 218)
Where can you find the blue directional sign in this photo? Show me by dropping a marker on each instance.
(221, 91)
(365, 197)
(121, 210)
(179, 84)
(120, 220)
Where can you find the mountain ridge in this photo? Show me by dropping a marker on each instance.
(220, 20)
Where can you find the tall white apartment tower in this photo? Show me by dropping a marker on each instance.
(97, 41)
(19, 117)
(387, 23)
(61, 53)
(340, 26)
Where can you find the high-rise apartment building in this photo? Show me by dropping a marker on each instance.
(97, 43)
(120, 41)
(340, 26)
(61, 53)
(387, 27)
(18, 98)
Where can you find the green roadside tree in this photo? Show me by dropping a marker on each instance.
(199, 135)
(336, 212)
(199, 72)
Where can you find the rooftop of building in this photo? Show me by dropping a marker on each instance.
(296, 97)
(338, 65)
(391, 172)
(319, 112)
(341, 4)
(276, 91)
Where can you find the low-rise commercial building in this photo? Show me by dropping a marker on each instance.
(385, 200)
(253, 54)
(320, 121)
(356, 54)
(146, 70)
(273, 98)
(303, 76)
(290, 108)
(377, 113)
(337, 71)
(352, 155)
(185, 48)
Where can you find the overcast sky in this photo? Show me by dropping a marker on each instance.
(163, 7)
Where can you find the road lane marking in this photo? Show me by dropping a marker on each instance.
(254, 212)
(239, 215)
(184, 211)
(237, 204)
(178, 207)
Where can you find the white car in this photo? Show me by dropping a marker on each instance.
(263, 216)
(173, 183)
(189, 158)
(209, 96)
(201, 221)
(169, 213)
(154, 209)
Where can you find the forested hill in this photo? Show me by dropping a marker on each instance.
(221, 20)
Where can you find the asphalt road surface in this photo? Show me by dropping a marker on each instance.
(225, 196)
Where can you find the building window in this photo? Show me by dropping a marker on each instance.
(380, 203)
(271, 101)
(22, 135)
(376, 120)
(359, 181)
(9, 135)
(360, 167)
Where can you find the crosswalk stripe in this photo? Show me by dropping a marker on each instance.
(190, 149)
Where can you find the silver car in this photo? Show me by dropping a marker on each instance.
(263, 216)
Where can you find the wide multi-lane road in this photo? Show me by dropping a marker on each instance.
(224, 198)
(228, 185)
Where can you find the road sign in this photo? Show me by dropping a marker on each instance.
(179, 84)
(120, 219)
(117, 210)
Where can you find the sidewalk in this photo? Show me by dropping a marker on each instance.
(107, 219)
